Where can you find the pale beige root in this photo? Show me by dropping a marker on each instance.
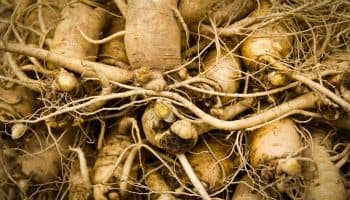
(262, 47)
(272, 150)
(245, 190)
(157, 185)
(113, 51)
(308, 82)
(193, 176)
(78, 190)
(161, 45)
(325, 181)
(67, 39)
(306, 101)
(18, 130)
(213, 162)
(42, 19)
(225, 69)
(195, 10)
(272, 40)
(232, 110)
(159, 133)
(340, 61)
(32, 84)
(194, 130)
(65, 81)
(128, 174)
(44, 158)
(105, 170)
(151, 79)
(152, 38)
(83, 67)
(220, 11)
(274, 141)
(79, 180)
(232, 10)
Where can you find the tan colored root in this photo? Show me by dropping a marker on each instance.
(80, 185)
(158, 186)
(86, 68)
(251, 23)
(18, 130)
(68, 41)
(110, 158)
(105, 90)
(152, 120)
(127, 173)
(245, 190)
(230, 111)
(342, 154)
(101, 136)
(205, 127)
(325, 181)
(104, 40)
(113, 52)
(241, 95)
(214, 162)
(84, 171)
(43, 163)
(193, 177)
(223, 68)
(306, 101)
(298, 76)
(32, 84)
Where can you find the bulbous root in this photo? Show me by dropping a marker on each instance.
(18, 130)
(179, 138)
(193, 177)
(65, 81)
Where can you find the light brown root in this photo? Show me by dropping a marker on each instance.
(152, 121)
(157, 184)
(101, 136)
(86, 68)
(345, 152)
(18, 130)
(104, 40)
(84, 171)
(193, 177)
(106, 90)
(112, 156)
(231, 111)
(125, 174)
(79, 180)
(305, 101)
(310, 83)
(325, 180)
(342, 161)
(30, 83)
(245, 190)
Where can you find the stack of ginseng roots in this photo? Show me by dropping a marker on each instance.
(175, 99)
